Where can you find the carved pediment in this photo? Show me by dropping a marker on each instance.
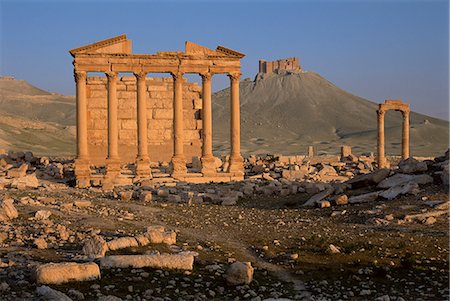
(119, 44)
(192, 48)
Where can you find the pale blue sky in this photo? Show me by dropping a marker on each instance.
(375, 49)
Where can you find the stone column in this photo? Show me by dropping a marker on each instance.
(142, 159)
(113, 161)
(178, 159)
(207, 158)
(381, 157)
(82, 169)
(236, 161)
(405, 135)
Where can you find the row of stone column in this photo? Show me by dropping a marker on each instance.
(381, 139)
(142, 160)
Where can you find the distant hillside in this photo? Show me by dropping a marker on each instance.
(280, 113)
(36, 120)
(286, 112)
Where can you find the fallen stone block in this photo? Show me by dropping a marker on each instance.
(239, 273)
(315, 199)
(372, 178)
(180, 261)
(58, 273)
(401, 179)
(393, 192)
(28, 181)
(50, 294)
(121, 243)
(82, 204)
(7, 210)
(292, 175)
(424, 216)
(364, 198)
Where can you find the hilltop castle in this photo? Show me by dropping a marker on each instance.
(291, 64)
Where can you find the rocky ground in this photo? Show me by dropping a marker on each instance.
(296, 228)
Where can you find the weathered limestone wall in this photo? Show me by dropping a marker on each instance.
(283, 64)
(159, 114)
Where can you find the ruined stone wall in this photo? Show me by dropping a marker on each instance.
(159, 118)
(283, 64)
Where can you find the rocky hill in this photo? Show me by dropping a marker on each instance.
(285, 112)
(36, 120)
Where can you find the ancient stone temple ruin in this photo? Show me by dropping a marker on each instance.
(291, 64)
(137, 120)
(396, 105)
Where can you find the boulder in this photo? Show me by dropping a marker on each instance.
(332, 249)
(50, 294)
(40, 243)
(42, 214)
(341, 199)
(58, 273)
(95, 247)
(327, 170)
(18, 172)
(7, 209)
(239, 273)
(412, 165)
(445, 175)
(28, 181)
(158, 235)
(180, 261)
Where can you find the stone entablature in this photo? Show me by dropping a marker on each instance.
(113, 56)
(396, 105)
(290, 64)
(159, 118)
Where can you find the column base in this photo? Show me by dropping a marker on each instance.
(143, 170)
(82, 173)
(383, 163)
(208, 165)
(113, 168)
(236, 166)
(178, 166)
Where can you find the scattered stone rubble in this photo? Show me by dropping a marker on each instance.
(329, 183)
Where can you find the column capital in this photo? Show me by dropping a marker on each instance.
(80, 76)
(381, 111)
(234, 75)
(406, 112)
(206, 76)
(111, 75)
(140, 75)
(177, 75)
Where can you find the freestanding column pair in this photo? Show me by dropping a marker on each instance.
(381, 139)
